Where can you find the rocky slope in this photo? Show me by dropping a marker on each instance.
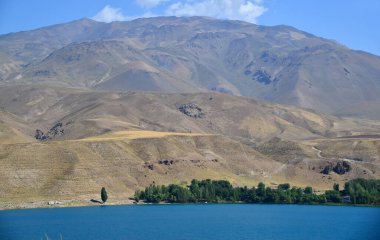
(127, 140)
(170, 54)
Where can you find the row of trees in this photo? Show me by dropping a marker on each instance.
(361, 191)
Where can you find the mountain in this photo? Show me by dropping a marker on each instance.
(86, 104)
(197, 54)
(60, 143)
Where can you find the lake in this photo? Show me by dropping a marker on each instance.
(208, 221)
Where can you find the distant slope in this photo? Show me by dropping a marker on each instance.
(14, 129)
(280, 63)
(86, 113)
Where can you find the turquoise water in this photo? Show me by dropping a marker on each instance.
(219, 221)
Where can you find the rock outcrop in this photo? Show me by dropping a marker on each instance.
(191, 110)
(56, 130)
(342, 167)
(339, 168)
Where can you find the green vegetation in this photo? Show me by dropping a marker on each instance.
(362, 191)
(359, 191)
(103, 194)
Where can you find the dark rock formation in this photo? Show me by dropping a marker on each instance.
(327, 169)
(342, 167)
(150, 166)
(339, 168)
(191, 110)
(56, 130)
(166, 162)
(262, 76)
(39, 135)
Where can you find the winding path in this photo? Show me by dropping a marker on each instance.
(319, 154)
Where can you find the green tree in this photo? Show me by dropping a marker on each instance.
(138, 195)
(260, 191)
(361, 191)
(333, 196)
(284, 186)
(308, 190)
(103, 194)
(336, 187)
(196, 191)
(296, 194)
(271, 195)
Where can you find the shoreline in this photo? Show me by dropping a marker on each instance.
(65, 204)
(74, 204)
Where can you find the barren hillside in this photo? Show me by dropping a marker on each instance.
(127, 140)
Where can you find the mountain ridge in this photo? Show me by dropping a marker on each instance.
(195, 54)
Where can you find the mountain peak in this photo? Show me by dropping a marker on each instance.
(85, 20)
(192, 54)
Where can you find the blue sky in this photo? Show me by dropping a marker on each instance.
(350, 22)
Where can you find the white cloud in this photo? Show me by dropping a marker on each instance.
(109, 14)
(246, 10)
(150, 3)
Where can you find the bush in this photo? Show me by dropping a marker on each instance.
(103, 194)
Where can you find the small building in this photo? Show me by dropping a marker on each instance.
(346, 199)
(54, 202)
